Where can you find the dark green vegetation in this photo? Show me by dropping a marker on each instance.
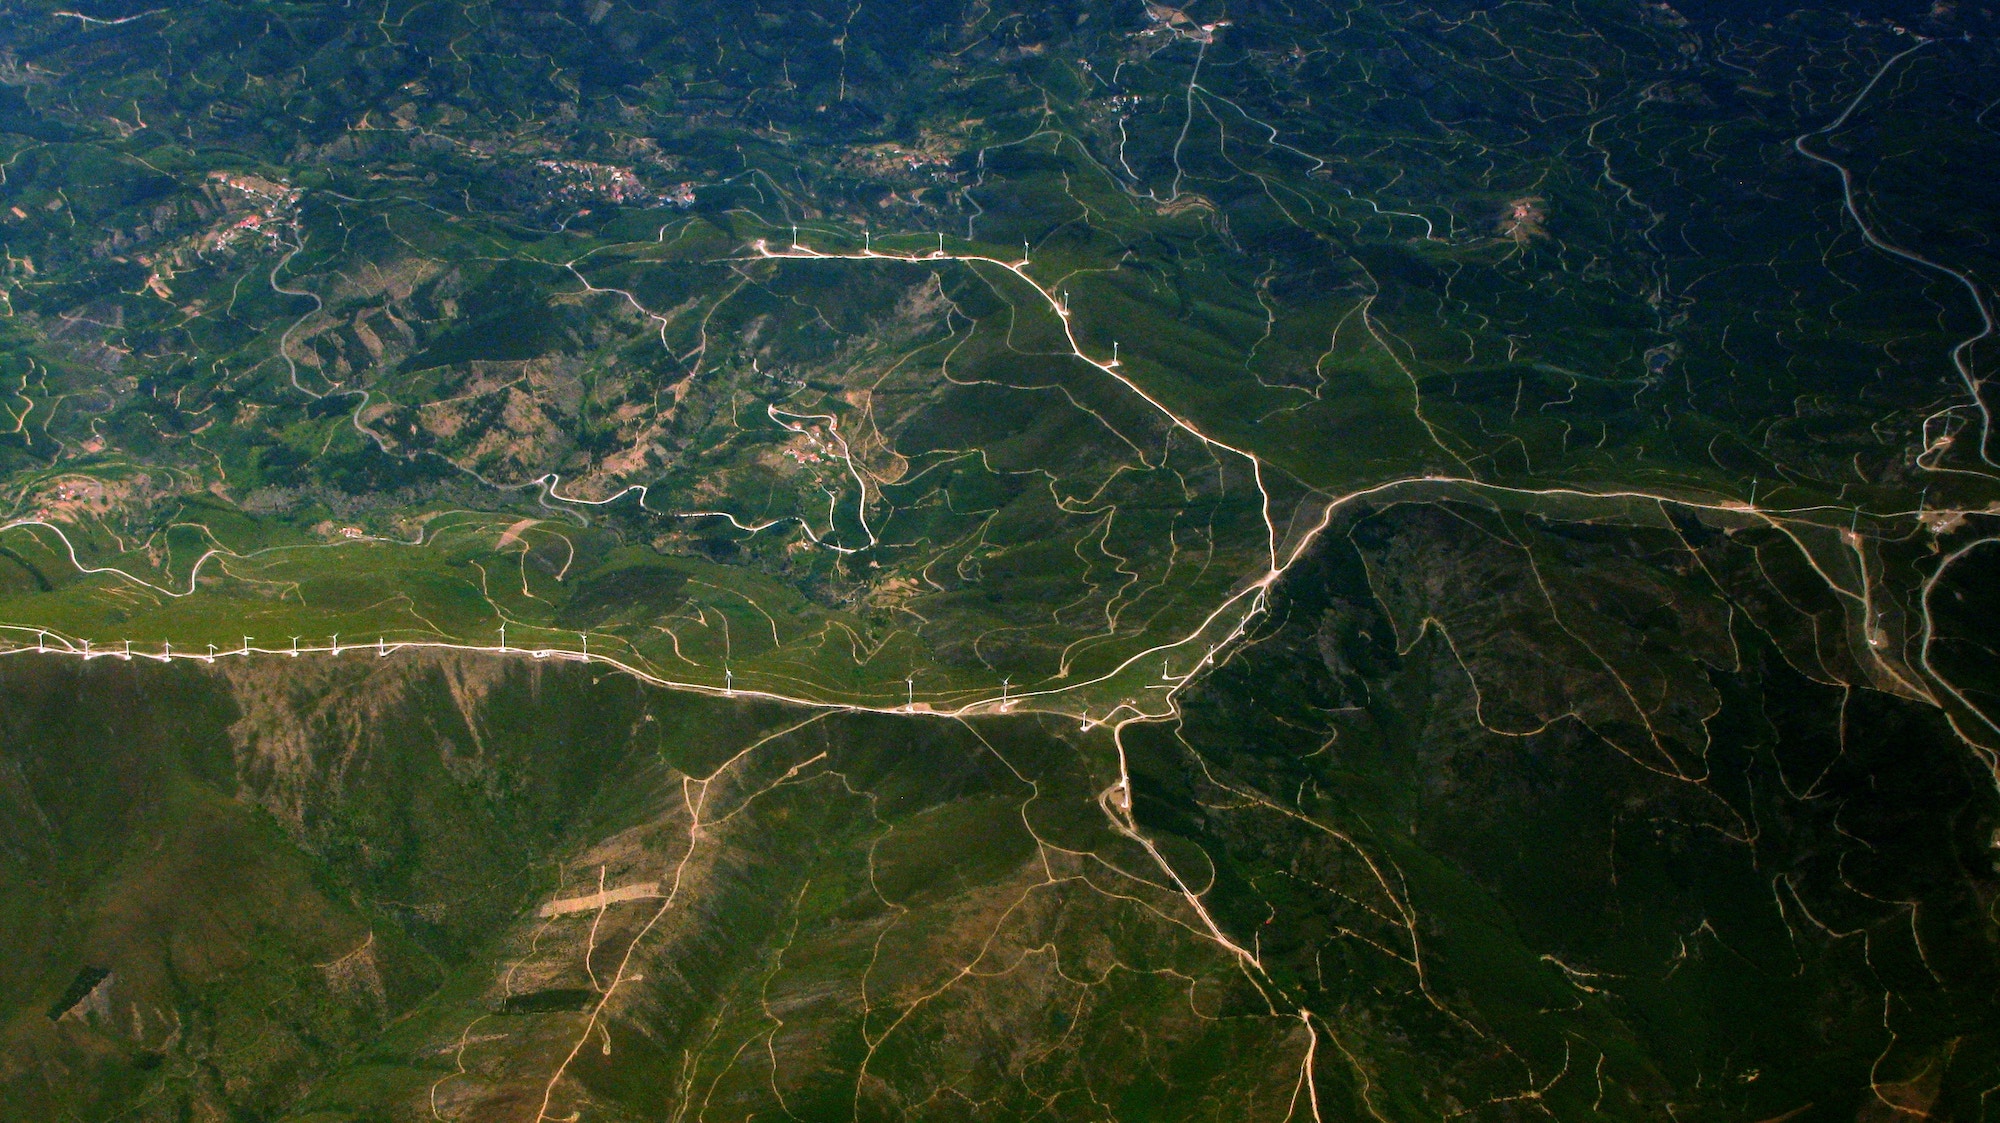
(1552, 806)
(1511, 486)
